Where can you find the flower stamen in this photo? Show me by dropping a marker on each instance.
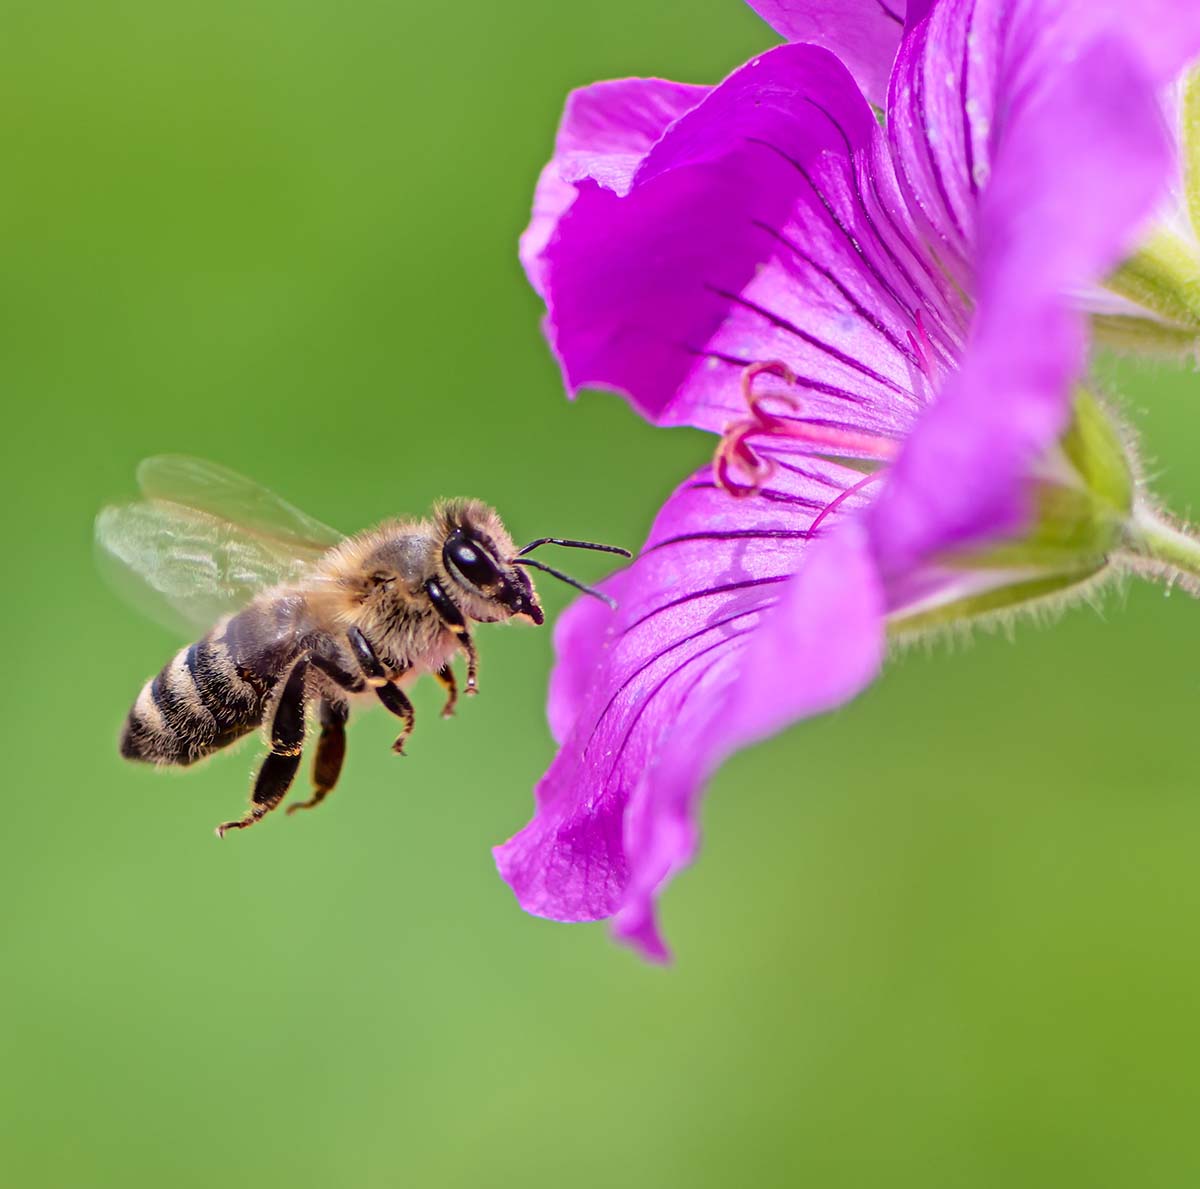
(842, 497)
(734, 451)
(922, 347)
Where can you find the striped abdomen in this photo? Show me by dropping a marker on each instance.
(205, 699)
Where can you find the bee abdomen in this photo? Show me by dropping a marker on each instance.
(196, 705)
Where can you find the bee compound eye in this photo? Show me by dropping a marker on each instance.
(469, 559)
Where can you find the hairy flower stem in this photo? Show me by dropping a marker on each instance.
(1171, 554)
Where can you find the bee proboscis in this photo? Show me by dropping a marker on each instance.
(300, 617)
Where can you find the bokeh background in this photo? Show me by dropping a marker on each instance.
(946, 937)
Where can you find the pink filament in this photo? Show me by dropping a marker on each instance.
(734, 449)
(922, 347)
(840, 499)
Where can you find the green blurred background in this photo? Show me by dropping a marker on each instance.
(947, 937)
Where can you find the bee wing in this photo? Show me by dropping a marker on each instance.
(202, 541)
(226, 495)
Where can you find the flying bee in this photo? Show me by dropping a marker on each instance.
(305, 618)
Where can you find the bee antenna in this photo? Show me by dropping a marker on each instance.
(569, 544)
(587, 590)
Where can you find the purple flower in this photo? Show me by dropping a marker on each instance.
(876, 323)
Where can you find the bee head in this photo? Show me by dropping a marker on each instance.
(478, 557)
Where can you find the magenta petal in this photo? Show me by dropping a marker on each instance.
(863, 33)
(579, 634)
(818, 647)
(1163, 34)
(962, 476)
(973, 68)
(916, 11)
(941, 116)
(751, 232)
(605, 132)
(684, 673)
(1093, 129)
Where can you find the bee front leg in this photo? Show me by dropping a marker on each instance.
(468, 646)
(454, 619)
(287, 742)
(390, 695)
(446, 679)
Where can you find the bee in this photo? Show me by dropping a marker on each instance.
(307, 621)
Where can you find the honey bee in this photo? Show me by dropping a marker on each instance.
(305, 619)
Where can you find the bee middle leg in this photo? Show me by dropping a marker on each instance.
(331, 751)
(287, 742)
(390, 695)
(396, 700)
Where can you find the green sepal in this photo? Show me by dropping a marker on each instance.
(992, 602)
(1095, 449)
(1129, 333)
(1191, 146)
(1080, 517)
(1064, 532)
(1163, 276)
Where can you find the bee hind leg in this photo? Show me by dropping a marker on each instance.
(331, 751)
(287, 742)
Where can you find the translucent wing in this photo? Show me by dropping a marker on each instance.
(226, 495)
(202, 541)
